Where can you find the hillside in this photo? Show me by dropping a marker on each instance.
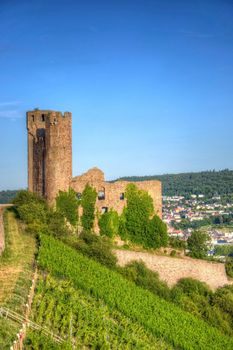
(208, 183)
(7, 196)
(16, 270)
(81, 303)
(157, 318)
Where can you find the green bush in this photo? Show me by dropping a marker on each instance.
(198, 244)
(32, 213)
(145, 278)
(109, 224)
(57, 225)
(67, 204)
(97, 248)
(88, 204)
(175, 242)
(136, 223)
(229, 266)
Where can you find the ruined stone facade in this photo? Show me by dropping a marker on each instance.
(50, 165)
(112, 195)
(49, 152)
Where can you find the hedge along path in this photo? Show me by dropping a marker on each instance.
(17, 258)
(161, 318)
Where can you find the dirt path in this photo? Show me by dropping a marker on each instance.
(171, 270)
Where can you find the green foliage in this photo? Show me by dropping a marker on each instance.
(175, 242)
(184, 224)
(223, 297)
(215, 308)
(137, 213)
(38, 217)
(207, 182)
(97, 248)
(191, 287)
(67, 204)
(32, 213)
(229, 266)
(136, 223)
(57, 225)
(157, 235)
(109, 224)
(26, 197)
(224, 250)
(161, 318)
(30, 207)
(87, 322)
(88, 204)
(197, 244)
(138, 273)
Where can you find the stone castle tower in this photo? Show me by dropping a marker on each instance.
(49, 152)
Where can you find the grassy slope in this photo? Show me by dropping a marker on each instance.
(16, 265)
(157, 316)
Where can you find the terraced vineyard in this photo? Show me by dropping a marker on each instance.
(159, 318)
(83, 321)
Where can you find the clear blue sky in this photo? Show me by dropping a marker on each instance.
(149, 83)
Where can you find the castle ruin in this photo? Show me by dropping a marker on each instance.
(50, 165)
(49, 152)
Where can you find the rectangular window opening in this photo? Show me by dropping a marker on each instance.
(78, 195)
(122, 196)
(104, 210)
(101, 195)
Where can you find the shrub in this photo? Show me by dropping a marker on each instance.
(88, 204)
(175, 242)
(57, 225)
(136, 223)
(191, 287)
(173, 253)
(97, 248)
(109, 224)
(32, 212)
(229, 266)
(145, 278)
(197, 244)
(67, 204)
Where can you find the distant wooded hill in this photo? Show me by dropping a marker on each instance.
(7, 196)
(209, 183)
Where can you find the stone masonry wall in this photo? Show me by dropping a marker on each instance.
(171, 270)
(114, 192)
(49, 152)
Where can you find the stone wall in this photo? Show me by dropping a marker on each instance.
(49, 152)
(113, 193)
(171, 270)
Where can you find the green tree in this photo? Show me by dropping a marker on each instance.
(229, 266)
(157, 235)
(109, 224)
(198, 244)
(137, 213)
(137, 222)
(57, 225)
(30, 207)
(88, 204)
(67, 204)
